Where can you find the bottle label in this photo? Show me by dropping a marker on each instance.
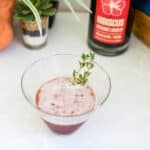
(111, 20)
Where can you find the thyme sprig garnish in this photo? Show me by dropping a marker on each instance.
(80, 76)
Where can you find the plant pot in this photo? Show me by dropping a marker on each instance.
(31, 34)
(52, 18)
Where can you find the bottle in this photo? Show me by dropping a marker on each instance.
(110, 26)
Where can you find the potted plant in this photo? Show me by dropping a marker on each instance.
(33, 17)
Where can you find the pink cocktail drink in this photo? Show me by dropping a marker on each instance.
(60, 98)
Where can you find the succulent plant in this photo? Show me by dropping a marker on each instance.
(23, 12)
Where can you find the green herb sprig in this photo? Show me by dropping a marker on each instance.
(80, 76)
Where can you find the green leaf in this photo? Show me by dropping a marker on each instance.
(37, 3)
(18, 8)
(33, 2)
(86, 74)
(82, 64)
(24, 18)
(92, 56)
(46, 6)
(26, 12)
(80, 76)
(49, 13)
(83, 56)
(67, 2)
(92, 65)
(83, 5)
(74, 73)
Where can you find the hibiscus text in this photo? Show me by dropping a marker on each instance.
(110, 22)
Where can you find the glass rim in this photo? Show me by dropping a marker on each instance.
(68, 116)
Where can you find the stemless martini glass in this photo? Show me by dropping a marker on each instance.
(62, 65)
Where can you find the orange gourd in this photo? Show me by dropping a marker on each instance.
(6, 34)
(6, 16)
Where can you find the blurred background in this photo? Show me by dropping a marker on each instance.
(77, 7)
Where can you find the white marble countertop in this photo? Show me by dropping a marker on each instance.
(123, 123)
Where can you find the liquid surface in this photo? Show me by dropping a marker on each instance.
(59, 97)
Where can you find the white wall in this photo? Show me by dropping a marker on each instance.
(77, 7)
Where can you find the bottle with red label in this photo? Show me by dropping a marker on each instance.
(110, 26)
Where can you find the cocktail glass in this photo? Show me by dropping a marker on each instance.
(62, 65)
